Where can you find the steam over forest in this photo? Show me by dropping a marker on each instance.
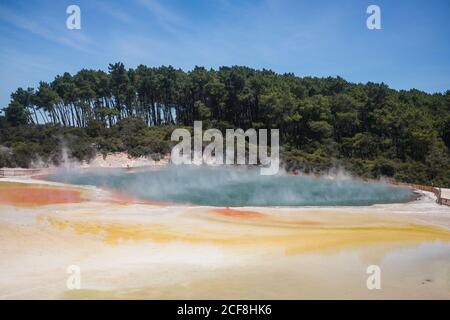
(325, 123)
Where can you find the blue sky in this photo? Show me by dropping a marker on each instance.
(317, 38)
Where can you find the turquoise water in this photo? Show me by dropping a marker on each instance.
(231, 186)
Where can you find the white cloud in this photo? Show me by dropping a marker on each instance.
(167, 18)
(74, 39)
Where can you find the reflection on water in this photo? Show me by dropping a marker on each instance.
(232, 186)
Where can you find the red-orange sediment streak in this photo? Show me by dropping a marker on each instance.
(256, 215)
(238, 213)
(33, 195)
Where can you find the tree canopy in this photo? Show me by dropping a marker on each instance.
(369, 128)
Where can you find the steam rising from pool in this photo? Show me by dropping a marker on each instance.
(232, 186)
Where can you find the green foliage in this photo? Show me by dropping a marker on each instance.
(369, 129)
(16, 114)
(35, 144)
(25, 153)
(3, 122)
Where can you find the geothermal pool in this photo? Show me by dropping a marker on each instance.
(235, 187)
(128, 248)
